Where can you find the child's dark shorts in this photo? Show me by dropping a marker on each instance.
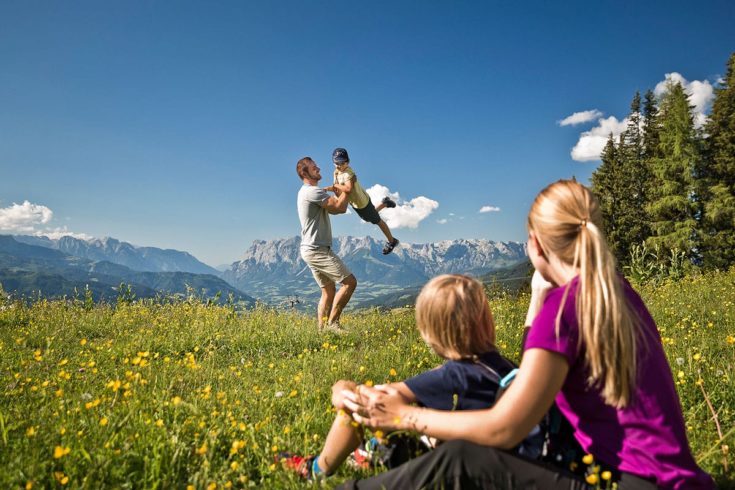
(368, 213)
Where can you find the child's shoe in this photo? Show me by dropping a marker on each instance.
(301, 465)
(389, 246)
(388, 202)
(362, 458)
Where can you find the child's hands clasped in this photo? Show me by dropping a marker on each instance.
(380, 407)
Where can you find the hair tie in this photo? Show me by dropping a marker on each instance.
(583, 223)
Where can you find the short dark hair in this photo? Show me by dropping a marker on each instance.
(301, 166)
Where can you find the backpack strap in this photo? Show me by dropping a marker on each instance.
(493, 374)
(505, 382)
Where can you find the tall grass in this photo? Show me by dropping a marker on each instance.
(148, 395)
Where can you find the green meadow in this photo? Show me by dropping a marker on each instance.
(186, 394)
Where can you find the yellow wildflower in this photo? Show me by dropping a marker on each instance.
(60, 452)
(61, 477)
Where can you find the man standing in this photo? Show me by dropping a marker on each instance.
(315, 206)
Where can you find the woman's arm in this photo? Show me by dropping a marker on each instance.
(540, 377)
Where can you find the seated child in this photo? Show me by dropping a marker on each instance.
(345, 180)
(454, 319)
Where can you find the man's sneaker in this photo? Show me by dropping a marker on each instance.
(388, 202)
(389, 246)
(301, 465)
(334, 327)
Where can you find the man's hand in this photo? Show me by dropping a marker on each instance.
(336, 205)
(329, 188)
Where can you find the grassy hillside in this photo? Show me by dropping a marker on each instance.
(145, 395)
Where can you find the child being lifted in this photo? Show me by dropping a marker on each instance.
(345, 180)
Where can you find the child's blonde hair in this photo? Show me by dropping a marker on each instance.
(567, 222)
(453, 313)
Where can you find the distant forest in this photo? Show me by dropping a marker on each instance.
(667, 187)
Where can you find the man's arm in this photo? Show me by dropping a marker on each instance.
(336, 205)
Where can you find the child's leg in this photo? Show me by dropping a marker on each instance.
(342, 440)
(386, 231)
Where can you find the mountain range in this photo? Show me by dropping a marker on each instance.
(274, 272)
(28, 270)
(144, 259)
(271, 271)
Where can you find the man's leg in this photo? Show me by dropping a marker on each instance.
(324, 310)
(344, 294)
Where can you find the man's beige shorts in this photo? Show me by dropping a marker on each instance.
(325, 265)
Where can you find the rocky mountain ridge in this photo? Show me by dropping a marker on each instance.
(273, 270)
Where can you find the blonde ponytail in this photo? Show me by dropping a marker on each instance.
(567, 222)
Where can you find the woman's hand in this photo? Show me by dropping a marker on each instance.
(539, 288)
(382, 407)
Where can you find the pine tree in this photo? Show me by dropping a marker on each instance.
(651, 127)
(718, 220)
(634, 177)
(605, 180)
(671, 207)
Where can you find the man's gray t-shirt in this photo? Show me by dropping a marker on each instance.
(316, 229)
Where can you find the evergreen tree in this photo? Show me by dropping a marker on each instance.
(672, 208)
(651, 127)
(718, 175)
(634, 176)
(605, 180)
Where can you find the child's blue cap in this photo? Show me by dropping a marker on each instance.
(339, 155)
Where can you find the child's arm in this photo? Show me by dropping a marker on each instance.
(346, 187)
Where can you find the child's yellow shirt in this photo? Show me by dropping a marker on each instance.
(358, 197)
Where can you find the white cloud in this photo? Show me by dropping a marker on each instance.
(56, 233)
(592, 142)
(580, 117)
(406, 214)
(701, 94)
(23, 218)
(27, 219)
(489, 209)
(442, 221)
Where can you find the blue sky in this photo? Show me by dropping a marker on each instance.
(179, 124)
